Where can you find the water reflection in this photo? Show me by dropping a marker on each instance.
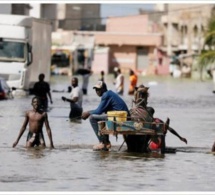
(36, 152)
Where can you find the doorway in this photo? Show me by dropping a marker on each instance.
(142, 58)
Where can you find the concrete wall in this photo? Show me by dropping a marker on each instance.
(123, 57)
(135, 24)
(77, 16)
(101, 60)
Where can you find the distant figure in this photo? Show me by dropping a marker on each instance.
(115, 72)
(133, 82)
(42, 89)
(213, 148)
(86, 73)
(119, 82)
(85, 83)
(102, 73)
(36, 118)
(75, 100)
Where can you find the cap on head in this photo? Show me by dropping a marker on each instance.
(100, 85)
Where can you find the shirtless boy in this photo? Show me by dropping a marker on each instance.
(36, 118)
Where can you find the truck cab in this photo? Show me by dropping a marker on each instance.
(25, 50)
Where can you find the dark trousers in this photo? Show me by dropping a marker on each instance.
(75, 112)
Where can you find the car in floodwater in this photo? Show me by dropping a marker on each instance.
(5, 91)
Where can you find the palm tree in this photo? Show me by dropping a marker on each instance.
(207, 55)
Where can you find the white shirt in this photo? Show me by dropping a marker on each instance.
(76, 92)
(119, 84)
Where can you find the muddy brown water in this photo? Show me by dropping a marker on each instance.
(73, 167)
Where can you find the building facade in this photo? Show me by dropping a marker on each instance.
(184, 26)
(132, 44)
(63, 16)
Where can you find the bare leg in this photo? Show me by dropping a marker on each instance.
(166, 125)
(29, 144)
(42, 145)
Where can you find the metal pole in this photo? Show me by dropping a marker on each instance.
(169, 32)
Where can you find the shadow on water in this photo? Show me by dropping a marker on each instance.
(193, 149)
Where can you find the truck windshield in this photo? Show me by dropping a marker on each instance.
(12, 51)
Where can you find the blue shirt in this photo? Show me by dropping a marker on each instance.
(110, 101)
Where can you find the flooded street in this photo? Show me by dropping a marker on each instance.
(74, 166)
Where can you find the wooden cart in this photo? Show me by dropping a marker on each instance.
(140, 133)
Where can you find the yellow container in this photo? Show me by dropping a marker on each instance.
(119, 115)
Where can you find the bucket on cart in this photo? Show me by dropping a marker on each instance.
(120, 116)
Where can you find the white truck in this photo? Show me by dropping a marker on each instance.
(25, 50)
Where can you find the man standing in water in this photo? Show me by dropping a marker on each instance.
(110, 101)
(42, 90)
(36, 118)
(75, 100)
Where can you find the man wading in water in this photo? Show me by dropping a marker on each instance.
(75, 100)
(41, 89)
(36, 118)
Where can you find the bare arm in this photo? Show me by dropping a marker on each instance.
(85, 115)
(176, 134)
(22, 130)
(48, 129)
(75, 99)
(50, 96)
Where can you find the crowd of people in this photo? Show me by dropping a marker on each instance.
(110, 101)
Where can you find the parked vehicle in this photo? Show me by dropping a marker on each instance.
(5, 91)
(25, 50)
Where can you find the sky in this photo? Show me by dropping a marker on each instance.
(123, 9)
(108, 10)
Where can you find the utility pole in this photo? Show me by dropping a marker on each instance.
(199, 41)
(189, 32)
(199, 33)
(169, 32)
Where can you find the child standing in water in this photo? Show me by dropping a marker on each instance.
(36, 118)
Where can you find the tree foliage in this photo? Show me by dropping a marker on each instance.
(207, 55)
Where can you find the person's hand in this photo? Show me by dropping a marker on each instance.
(51, 101)
(85, 115)
(15, 143)
(184, 140)
(63, 98)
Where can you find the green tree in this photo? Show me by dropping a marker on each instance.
(207, 56)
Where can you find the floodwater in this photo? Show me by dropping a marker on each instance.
(74, 167)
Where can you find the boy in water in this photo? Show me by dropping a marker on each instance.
(157, 124)
(36, 118)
